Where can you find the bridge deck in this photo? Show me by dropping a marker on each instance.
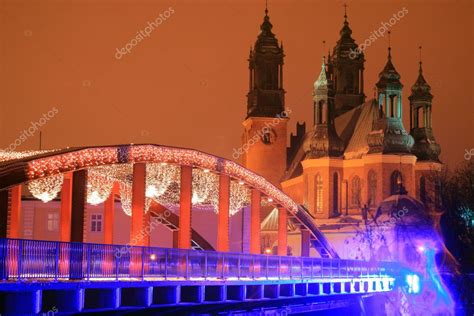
(84, 277)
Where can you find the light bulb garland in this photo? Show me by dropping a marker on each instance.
(46, 189)
(100, 181)
(119, 155)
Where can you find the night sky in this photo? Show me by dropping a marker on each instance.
(186, 84)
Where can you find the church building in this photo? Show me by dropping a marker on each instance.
(355, 152)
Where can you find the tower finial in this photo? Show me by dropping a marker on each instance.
(421, 70)
(345, 12)
(266, 7)
(389, 46)
(324, 46)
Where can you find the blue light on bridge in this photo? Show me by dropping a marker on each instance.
(413, 282)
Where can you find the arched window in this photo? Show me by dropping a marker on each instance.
(320, 112)
(395, 182)
(422, 189)
(319, 194)
(372, 188)
(356, 189)
(335, 195)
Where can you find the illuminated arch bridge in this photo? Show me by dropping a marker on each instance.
(155, 183)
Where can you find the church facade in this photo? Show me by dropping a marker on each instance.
(355, 152)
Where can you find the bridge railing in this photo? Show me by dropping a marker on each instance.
(34, 259)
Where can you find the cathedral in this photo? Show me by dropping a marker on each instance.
(355, 152)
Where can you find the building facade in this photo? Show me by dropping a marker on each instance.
(356, 152)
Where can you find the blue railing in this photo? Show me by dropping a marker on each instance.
(36, 259)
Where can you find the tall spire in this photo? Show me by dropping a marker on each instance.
(266, 94)
(346, 70)
(394, 138)
(389, 77)
(325, 141)
(345, 12)
(420, 62)
(389, 47)
(425, 148)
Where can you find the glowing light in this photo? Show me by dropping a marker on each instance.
(203, 184)
(159, 178)
(46, 189)
(6, 155)
(421, 249)
(100, 181)
(268, 251)
(120, 155)
(413, 282)
(153, 257)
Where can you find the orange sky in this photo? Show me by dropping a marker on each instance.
(185, 84)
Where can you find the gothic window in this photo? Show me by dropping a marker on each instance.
(372, 187)
(335, 195)
(423, 189)
(319, 194)
(395, 182)
(356, 189)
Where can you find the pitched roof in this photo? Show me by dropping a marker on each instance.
(352, 127)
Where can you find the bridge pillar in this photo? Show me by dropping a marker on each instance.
(138, 204)
(282, 231)
(79, 195)
(223, 216)
(66, 208)
(305, 242)
(109, 212)
(15, 212)
(185, 207)
(3, 213)
(255, 205)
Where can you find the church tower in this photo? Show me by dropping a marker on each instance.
(265, 127)
(346, 70)
(388, 133)
(324, 142)
(425, 148)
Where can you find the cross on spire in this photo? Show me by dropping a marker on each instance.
(324, 47)
(266, 7)
(389, 46)
(345, 11)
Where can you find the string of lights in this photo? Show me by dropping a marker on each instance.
(168, 191)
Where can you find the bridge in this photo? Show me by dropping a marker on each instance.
(75, 276)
